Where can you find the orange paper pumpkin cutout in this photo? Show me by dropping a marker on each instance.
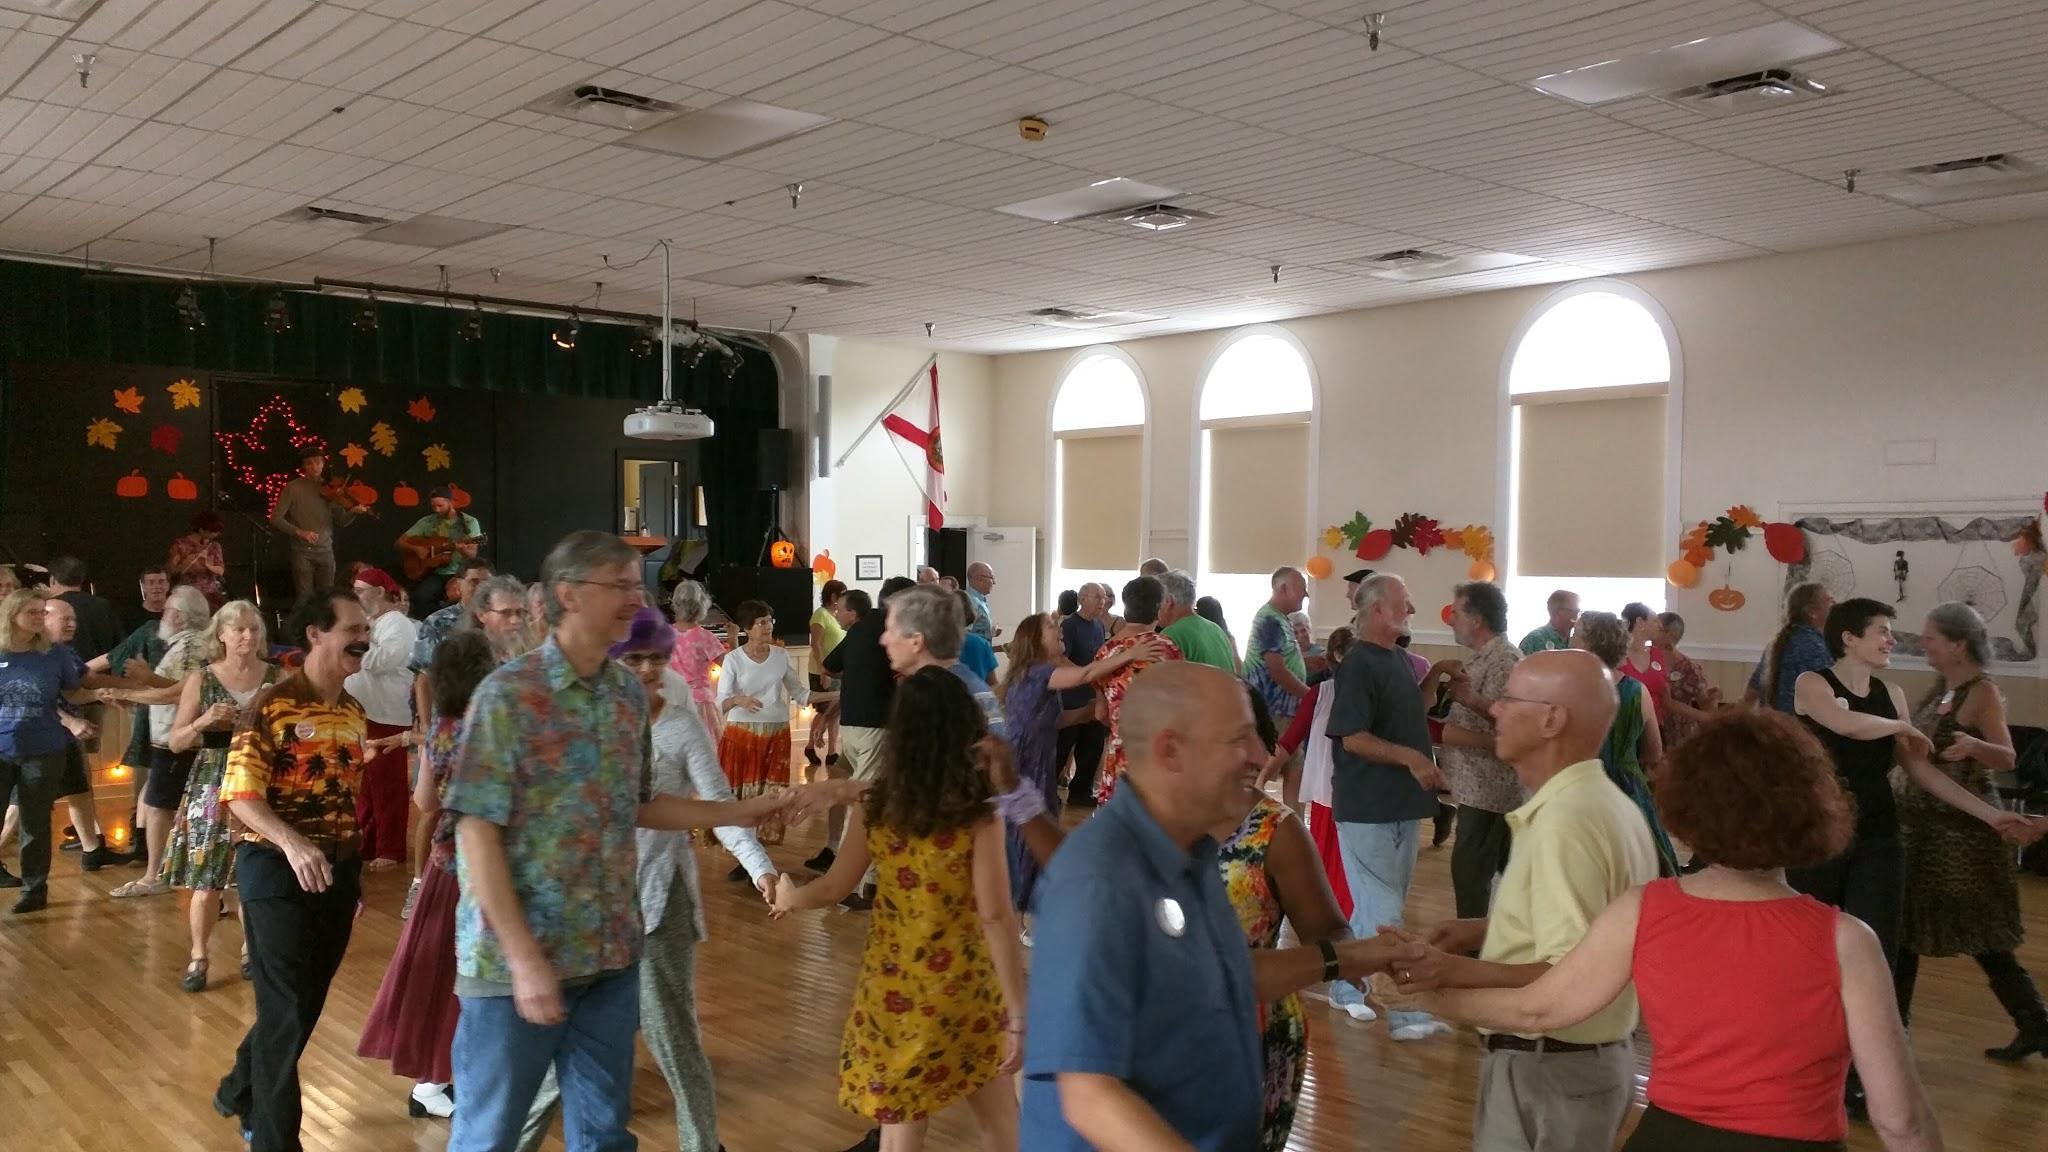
(782, 554)
(1683, 574)
(405, 496)
(1318, 568)
(1726, 599)
(362, 493)
(133, 486)
(179, 488)
(457, 496)
(825, 566)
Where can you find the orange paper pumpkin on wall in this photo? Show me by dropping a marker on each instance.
(133, 486)
(1726, 599)
(405, 496)
(825, 567)
(782, 554)
(362, 493)
(179, 488)
(457, 496)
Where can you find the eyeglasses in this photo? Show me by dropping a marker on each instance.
(512, 613)
(622, 587)
(644, 659)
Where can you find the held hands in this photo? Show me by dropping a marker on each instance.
(1462, 937)
(1963, 747)
(781, 896)
(766, 886)
(78, 726)
(1916, 740)
(2014, 828)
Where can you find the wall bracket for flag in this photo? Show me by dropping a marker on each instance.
(902, 393)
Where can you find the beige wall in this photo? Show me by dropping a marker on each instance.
(1796, 371)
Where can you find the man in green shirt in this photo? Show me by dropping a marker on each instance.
(429, 532)
(1557, 634)
(1198, 639)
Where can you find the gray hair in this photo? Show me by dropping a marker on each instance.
(229, 613)
(578, 555)
(1485, 600)
(933, 613)
(1959, 623)
(1285, 572)
(1604, 635)
(1375, 588)
(690, 602)
(500, 585)
(190, 606)
(1180, 587)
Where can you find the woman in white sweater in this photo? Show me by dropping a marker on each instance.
(757, 686)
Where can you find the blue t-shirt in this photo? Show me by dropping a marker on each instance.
(981, 625)
(32, 685)
(1805, 650)
(984, 696)
(979, 655)
(1141, 972)
(1083, 639)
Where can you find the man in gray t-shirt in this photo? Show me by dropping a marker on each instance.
(1385, 781)
(308, 515)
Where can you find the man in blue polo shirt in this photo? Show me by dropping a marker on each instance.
(1143, 1025)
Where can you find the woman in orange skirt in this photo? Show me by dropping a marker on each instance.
(757, 686)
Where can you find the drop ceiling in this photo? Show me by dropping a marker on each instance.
(215, 119)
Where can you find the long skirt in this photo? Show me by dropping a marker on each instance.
(1322, 828)
(412, 1022)
(756, 759)
(382, 806)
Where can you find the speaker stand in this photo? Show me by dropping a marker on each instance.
(774, 532)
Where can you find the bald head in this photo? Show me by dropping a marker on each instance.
(1193, 747)
(1170, 697)
(1153, 567)
(1556, 712)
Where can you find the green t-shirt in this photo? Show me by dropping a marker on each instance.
(829, 631)
(1202, 642)
(462, 527)
(1544, 639)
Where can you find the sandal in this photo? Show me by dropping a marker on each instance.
(144, 887)
(195, 976)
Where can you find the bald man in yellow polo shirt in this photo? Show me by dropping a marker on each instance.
(1579, 843)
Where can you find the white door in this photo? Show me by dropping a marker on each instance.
(1013, 553)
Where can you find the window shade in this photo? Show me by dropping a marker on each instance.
(1591, 500)
(1258, 497)
(1101, 483)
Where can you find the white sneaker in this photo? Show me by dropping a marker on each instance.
(1422, 1031)
(1024, 938)
(1361, 1012)
(412, 896)
(429, 1099)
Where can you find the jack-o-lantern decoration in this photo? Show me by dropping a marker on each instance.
(133, 486)
(782, 554)
(405, 496)
(1726, 599)
(457, 496)
(179, 488)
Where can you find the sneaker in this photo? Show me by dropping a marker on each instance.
(1361, 1012)
(1422, 1031)
(412, 895)
(8, 879)
(430, 1100)
(822, 862)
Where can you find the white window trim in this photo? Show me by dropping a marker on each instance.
(1196, 427)
(1674, 408)
(1051, 554)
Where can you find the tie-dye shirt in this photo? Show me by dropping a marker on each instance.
(561, 764)
(303, 757)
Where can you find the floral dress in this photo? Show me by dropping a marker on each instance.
(1113, 689)
(201, 850)
(927, 1022)
(1283, 1031)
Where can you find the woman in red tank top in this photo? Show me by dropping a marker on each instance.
(1756, 998)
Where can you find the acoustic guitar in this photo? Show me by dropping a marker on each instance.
(421, 555)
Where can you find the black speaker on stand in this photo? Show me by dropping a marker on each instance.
(772, 474)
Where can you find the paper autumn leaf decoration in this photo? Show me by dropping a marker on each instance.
(1454, 538)
(1745, 517)
(1726, 533)
(436, 457)
(421, 410)
(102, 433)
(354, 455)
(351, 400)
(1694, 540)
(383, 439)
(1414, 530)
(1354, 529)
(184, 394)
(165, 438)
(1333, 537)
(1477, 541)
(128, 400)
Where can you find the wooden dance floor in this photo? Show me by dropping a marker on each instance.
(101, 1052)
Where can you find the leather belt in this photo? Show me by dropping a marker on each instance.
(1504, 1042)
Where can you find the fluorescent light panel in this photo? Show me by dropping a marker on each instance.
(1684, 65)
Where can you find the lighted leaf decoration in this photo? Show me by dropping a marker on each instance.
(165, 438)
(436, 457)
(128, 400)
(354, 455)
(184, 394)
(421, 410)
(383, 439)
(1726, 533)
(1355, 529)
(1333, 537)
(351, 400)
(1745, 517)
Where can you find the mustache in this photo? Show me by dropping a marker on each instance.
(359, 648)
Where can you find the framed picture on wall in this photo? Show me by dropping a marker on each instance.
(868, 566)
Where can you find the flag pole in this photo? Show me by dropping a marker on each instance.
(915, 378)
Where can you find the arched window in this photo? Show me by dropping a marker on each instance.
(1098, 489)
(1591, 388)
(1255, 457)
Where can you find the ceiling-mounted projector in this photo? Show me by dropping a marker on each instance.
(668, 421)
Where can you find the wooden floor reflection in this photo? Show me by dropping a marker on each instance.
(101, 1052)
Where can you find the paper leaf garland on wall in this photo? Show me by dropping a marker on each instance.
(1413, 530)
(184, 394)
(1730, 532)
(436, 457)
(1352, 531)
(102, 433)
(354, 455)
(351, 400)
(165, 438)
(383, 439)
(1375, 544)
(128, 400)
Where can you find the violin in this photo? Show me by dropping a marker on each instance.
(338, 491)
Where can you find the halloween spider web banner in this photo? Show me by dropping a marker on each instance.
(1977, 566)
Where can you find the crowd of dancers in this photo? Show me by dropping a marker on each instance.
(539, 754)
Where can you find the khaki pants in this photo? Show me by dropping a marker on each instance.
(860, 756)
(1553, 1101)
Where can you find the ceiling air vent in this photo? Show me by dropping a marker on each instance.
(820, 284)
(1411, 264)
(1752, 92)
(315, 214)
(1086, 317)
(606, 107)
(1974, 178)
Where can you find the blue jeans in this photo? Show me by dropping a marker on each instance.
(1379, 862)
(501, 1059)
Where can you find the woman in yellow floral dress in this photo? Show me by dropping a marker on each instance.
(938, 1009)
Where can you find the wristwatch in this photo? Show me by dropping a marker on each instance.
(1329, 952)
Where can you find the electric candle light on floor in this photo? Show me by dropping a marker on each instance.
(119, 836)
(118, 772)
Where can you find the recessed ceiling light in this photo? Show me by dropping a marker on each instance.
(1101, 198)
(725, 129)
(1694, 62)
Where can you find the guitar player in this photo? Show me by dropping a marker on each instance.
(435, 548)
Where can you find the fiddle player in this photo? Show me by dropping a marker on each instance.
(441, 542)
(308, 512)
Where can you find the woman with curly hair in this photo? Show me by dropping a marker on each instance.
(1634, 749)
(938, 1008)
(1757, 998)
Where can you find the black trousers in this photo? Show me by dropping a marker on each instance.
(429, 594)
(1479, 854)
(1868, 882)
(33, 780)
(1662, 1131)
(2002, 968)
(296, 941)
(1084, 742)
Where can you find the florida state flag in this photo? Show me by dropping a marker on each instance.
(926, 441)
